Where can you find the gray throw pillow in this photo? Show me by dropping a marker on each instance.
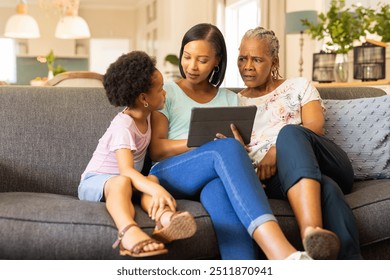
(361, 127)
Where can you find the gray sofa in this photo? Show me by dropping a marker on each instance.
(47, 135)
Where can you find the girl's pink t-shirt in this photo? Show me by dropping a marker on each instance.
(121, 134)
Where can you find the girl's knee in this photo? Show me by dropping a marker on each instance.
(118, 184)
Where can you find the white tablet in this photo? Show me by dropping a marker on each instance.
(207, 122)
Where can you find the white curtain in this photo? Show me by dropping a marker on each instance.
(273, 13)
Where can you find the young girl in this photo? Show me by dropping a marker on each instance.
(220, 172)
(114, 170)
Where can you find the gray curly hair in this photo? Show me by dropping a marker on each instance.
(273, 43)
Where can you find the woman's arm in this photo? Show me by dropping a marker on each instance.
(161, 147)
(313, 117)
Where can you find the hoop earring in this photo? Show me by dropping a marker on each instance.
(215, 70)
(146, 104)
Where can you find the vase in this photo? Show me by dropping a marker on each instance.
(341, 66)
(50, 75)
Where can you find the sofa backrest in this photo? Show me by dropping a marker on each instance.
(342, 92)
(48, 135)
(349, 92)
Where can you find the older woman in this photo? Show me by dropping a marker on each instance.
(294, 160)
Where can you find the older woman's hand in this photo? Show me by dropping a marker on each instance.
(236, 135)
(266, 168)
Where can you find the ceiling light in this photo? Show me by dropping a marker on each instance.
(72, 26)
(21, 25)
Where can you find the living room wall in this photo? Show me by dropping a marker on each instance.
(173, 18)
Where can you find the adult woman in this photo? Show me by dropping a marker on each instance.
(228, 188)
(293, 158)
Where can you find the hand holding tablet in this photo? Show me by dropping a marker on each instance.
(206, 122)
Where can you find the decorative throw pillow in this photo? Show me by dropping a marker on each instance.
(361, 127)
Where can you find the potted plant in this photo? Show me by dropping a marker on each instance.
(340, 24)
(49, 59)
(341, 27)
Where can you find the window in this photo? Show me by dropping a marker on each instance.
(239, 17)
(8, 60)
(105, 51)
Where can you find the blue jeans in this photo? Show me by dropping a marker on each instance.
(303, 154)
(222, 174)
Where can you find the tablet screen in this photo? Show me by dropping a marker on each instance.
(206, 122)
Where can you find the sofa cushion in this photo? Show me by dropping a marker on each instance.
(370, 203)
(361, 127)
(52, 226)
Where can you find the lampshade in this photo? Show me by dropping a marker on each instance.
(21, 25)
(72, 27)
(293, 21)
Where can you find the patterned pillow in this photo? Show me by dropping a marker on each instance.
(361, 127)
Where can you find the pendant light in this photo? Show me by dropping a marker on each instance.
(21, 25)
(72, 26)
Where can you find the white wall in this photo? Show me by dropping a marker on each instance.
(173, 19)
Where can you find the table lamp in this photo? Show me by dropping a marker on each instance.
(294, 25)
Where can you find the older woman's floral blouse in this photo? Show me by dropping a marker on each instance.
(276, 109)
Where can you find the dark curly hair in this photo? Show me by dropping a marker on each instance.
(210, 33)
(128, 77)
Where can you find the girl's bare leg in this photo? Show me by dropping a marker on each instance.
(146, 202)
(118, 193)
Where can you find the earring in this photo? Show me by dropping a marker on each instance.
(215, 70)
(274, 73)
(146, 104)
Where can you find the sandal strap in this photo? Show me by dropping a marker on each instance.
(139, 247)
(121, 234)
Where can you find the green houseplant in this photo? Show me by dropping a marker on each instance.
(382, 26)
(339, 24)
(341, 27)
(53, 70)
(376, 21)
